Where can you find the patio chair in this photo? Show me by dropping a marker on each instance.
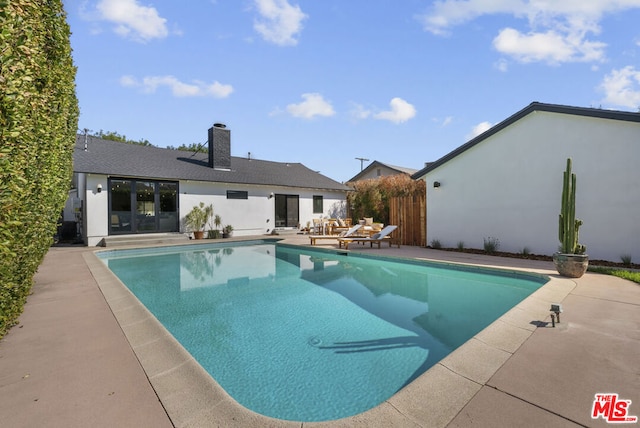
(341, 226)
(344, 234)
(317, 226)
(376, 238)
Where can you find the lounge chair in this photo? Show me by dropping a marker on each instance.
(376, 238)
(340, 226)
(344, 234)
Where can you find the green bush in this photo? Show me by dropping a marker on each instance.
(370, 198)
(38, 124)
(491, 245)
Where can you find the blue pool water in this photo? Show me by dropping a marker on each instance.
(309, 335)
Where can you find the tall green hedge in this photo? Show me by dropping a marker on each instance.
(38, 124)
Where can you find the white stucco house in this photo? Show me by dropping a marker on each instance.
(507, 183)
(125, 189)
(377, 169)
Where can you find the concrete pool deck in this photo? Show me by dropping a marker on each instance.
(87, 354)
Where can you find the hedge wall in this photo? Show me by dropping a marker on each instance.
(38, 124)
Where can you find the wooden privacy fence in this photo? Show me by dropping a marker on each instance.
(409, 213)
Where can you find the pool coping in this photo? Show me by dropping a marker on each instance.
(191, 397)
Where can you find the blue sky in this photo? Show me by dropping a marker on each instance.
(326, 82)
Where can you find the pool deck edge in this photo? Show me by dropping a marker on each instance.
(497, 342)
(100, 359)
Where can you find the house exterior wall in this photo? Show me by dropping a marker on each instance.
(509, 187)
(95, 222)
(255, 215)
(252, 216)
(384, 171)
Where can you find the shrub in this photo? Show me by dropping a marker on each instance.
(460, 245)
(626, 259)
(38, 125)
(370, 198)
(526, 251)
(491, 245)
(435, 243)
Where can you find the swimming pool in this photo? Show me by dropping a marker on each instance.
(313, 335)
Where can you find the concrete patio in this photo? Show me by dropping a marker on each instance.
(87, 354)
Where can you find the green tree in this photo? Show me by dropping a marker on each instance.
(38, 123)
(370, 198)
(114, 136)
(193, 147)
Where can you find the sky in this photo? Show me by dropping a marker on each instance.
(326, 82)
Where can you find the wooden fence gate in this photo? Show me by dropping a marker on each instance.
(410, 214)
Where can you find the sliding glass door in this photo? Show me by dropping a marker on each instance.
(142, 206)
(120, 207)
(287, 210)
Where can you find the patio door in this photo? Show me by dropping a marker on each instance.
(142, 206)
(287, 211)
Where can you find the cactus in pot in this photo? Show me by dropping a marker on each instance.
(569, 225)
(571, 260)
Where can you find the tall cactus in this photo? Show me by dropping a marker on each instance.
(569, 225)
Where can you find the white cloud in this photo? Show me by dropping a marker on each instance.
(622, 88)
(557, 30)
(141, 23)
(445, 14)
(501, 65)
(359, 112)
(478, 129)
(313, 105)
(150, 84)
(442, 122)
(400, 112)
(279, 21)
(551, 47)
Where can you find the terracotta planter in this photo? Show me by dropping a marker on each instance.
(571, 265)
(199, 234)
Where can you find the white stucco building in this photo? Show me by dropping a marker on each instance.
(125, 189)
(507, 183)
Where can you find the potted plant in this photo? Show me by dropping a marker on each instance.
(197, 218)
(571, 260)
(227, 231)
(214, 232)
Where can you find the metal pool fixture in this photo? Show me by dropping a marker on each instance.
(556, 308)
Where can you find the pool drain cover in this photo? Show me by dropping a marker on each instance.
(314, 341)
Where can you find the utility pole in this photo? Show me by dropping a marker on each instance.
(362, 160)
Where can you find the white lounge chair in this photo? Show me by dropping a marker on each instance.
(344, 234)
(376, 238)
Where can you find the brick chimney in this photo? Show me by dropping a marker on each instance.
(219, 146)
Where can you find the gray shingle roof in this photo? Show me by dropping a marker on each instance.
(130, 160)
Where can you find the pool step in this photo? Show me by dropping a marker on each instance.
(146, 239)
